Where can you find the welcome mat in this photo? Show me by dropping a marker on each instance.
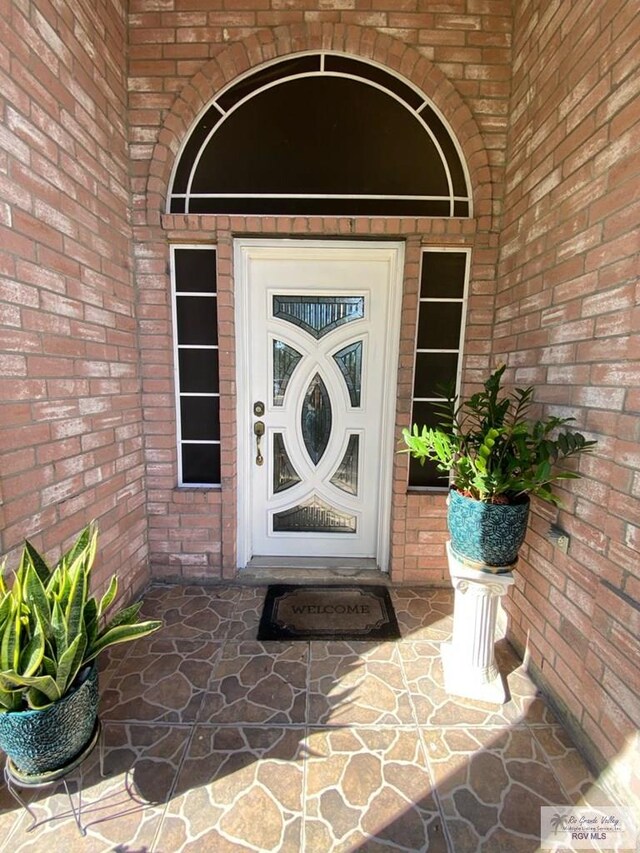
(307, 612)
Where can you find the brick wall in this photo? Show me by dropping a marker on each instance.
(70, 422)
(182, 53)
(567, 319)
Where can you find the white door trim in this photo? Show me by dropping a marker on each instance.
(245, 250)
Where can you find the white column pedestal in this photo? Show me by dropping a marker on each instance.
(469, 660)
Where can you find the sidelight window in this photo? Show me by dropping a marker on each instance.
(441, 314)
(193, 273)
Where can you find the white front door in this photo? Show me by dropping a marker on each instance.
(317, 325)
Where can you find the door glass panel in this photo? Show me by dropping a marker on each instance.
(346, 475)
(314, 516)
(349, 360)
(316, 419)
(284, 474)
(318, 315)
(285, 360)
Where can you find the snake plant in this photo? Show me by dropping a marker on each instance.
(51, 627)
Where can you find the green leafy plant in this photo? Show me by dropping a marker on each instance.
(51, 628)
(490, 448)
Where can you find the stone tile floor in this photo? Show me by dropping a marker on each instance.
(215, 742)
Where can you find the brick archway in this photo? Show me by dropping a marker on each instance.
(265, 45)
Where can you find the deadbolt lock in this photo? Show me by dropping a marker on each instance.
(258, 409)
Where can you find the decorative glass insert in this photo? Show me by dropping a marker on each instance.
(284, 474)
(346, 475)
(316, 419)
(318, 315)
(313, 516)
(349, 360)
(285, 361)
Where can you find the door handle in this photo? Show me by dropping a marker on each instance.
(258, 430)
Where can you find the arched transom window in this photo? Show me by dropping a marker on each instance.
(321, 134)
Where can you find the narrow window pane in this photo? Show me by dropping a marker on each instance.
(433, 371)
(198, 371)
(198, 135)
(351, 205)
(439, 325)
(425, 414)
(346, 65)
(286, 68)
(443, 275)
(195, 270)
(448, 149)
(200, 417)
(197, 320)
(427, 475)
(201, 464)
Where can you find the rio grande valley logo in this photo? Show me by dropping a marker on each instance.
(586, 829)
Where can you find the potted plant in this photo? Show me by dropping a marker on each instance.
(496, 458)
(51, 631)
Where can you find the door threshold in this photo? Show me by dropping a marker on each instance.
(312, 570)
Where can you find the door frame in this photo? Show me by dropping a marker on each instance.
(244, 250)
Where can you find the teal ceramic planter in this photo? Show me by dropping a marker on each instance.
(38, 742)
(484, 533)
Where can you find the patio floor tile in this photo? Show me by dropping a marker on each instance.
(435, 707)
(238, 789)
(257, 683)
(423, 614)
(370, 789)
(159, 679)
(357, 684)
(491, 784)
(216, 742)
(191, 612)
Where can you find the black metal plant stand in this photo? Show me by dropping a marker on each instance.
(15, 780)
